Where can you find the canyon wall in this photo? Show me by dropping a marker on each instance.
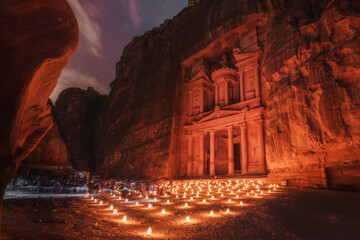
(38, 37)
(76, 113)
(309, 89)
(51, 150)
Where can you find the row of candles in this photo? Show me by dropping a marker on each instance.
(183, 188)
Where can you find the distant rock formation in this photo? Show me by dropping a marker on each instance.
(76, 113)
(38, 38)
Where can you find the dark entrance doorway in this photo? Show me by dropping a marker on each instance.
(237, 164)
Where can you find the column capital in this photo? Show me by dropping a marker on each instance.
(200, 133)
(231, 127)
(259, 121)
(212, 131)
(243, 124)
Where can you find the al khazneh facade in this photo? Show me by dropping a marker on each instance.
(224, 121)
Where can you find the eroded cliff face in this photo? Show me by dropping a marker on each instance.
(76, 113)
(38, 38)
(51, 150)
(311, 79)
(309, 88)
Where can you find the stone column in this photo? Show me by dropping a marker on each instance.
(212, 153)
(190, 155)
(242, 86)
(201, 99)
(230, 150)
(202, 154)
(190, 103)
(257, 81)
(226, 93)
(244, 151)
(260, 128)
(216, 94)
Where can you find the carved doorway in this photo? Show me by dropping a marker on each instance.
(237, 163)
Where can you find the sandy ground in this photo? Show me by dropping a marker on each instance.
(286, 214)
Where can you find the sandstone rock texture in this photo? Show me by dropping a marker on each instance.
(76, 113)
(37, 39)
(309, 89)
(51, 150)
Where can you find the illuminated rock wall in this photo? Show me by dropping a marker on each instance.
(309, 89)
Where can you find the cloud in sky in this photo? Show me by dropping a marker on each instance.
(134, 12)
(72, 78)
(90, 30)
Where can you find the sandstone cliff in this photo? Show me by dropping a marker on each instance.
(51, 150)
(38, 37)
(76, 113)
(309, 78)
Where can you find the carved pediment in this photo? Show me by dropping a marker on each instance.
(220, 113)
(200, 76)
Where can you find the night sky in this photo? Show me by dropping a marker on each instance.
(106, 27)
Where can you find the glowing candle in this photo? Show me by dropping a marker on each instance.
(197, 195)
(177, 196)
(149, 206)
(222, 194)
(212, 197)
(115, 211)
(168, 201)
(247, 194)
(126, 200)
(136, 204)
(227, 211)
(229, 200)
(163, 211)
(269, 191)
(111, 207)
(186, 205)
(155, 199)
(191, 198)
(92, 198)
(146, 197)
(241, 203)
(252, 191)
(101, 202)
(140, 195)
(204, 201)
(124, 219)
(148, 231)
(119, 198)
(187, 219)
(237, 196)
(165, 195)
(262, 192)
(211, 213)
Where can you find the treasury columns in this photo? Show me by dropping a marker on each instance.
(202, 154)
(190, 155)
(244, 157)
(212, 152)
(260, 128)
(230, 150)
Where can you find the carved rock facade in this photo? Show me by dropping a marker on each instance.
(240, 87)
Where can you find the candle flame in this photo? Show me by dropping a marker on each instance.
(163, 211)
(148, 231)
(187, 219)
(124, 219)
(211, 213)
